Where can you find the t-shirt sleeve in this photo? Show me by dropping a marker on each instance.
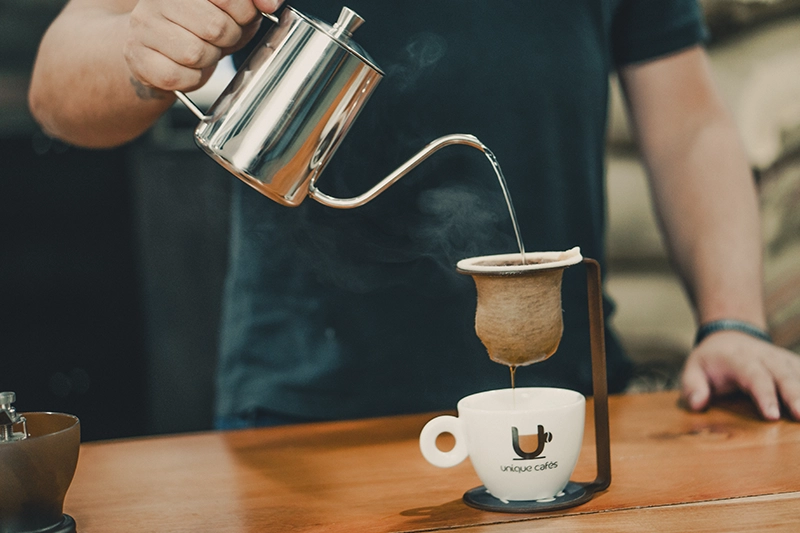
(646, 29)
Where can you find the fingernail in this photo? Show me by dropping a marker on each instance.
(773, 412)
(695, 400)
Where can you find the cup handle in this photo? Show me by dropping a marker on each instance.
(427, 442)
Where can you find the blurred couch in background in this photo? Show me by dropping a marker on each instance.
(755, 54)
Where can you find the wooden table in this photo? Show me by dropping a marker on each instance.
(723, 470)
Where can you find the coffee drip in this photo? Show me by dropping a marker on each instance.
(518, 316)
(513, 215)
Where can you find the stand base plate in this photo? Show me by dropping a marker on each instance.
(66, 525)
(572, 495)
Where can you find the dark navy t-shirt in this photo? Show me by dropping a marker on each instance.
(352, 313)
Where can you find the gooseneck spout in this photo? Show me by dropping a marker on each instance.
(402, 170)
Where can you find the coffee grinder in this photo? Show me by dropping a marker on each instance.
(519, 320)
(38, 456)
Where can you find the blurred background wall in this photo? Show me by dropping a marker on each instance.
(112, 262)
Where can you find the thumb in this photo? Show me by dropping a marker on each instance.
(267, 6)
(696, 390)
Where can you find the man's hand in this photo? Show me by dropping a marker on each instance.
(106, 68)
(728, 361)
(176, 44)
(707, 204)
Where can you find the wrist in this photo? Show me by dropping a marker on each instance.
(714, 326)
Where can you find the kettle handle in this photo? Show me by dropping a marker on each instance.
(405, 168)
(188, 102)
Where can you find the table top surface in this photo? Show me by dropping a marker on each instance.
(723, 470)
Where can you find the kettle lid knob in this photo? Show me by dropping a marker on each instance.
(7, 398)
(348, 21)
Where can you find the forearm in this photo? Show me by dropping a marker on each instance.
(81, 89)
(707, 204)
(702, 186)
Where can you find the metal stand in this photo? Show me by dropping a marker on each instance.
(574, 493)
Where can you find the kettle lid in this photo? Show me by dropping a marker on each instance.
(342, 32)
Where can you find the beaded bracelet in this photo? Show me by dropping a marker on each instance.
(730, 325)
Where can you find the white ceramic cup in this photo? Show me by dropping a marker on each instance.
(523, 443)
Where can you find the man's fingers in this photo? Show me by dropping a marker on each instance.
(184, 47)
(247, 33)
(268, 6)
(694, 384)
(790, 393)
(205, 20)
(164, 49)
(786, 370)
(243, 12)
(759, 383)
(727, 361)
(156, 70)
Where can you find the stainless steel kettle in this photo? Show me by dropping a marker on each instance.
(287, 109)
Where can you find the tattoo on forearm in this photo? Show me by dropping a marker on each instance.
(144, 92)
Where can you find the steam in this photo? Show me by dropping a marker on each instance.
(412, 243)
(423, 51)
(414, 233)
(458, 221)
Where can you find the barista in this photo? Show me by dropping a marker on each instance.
(333, 314)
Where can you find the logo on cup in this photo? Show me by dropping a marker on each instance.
(542, 438)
